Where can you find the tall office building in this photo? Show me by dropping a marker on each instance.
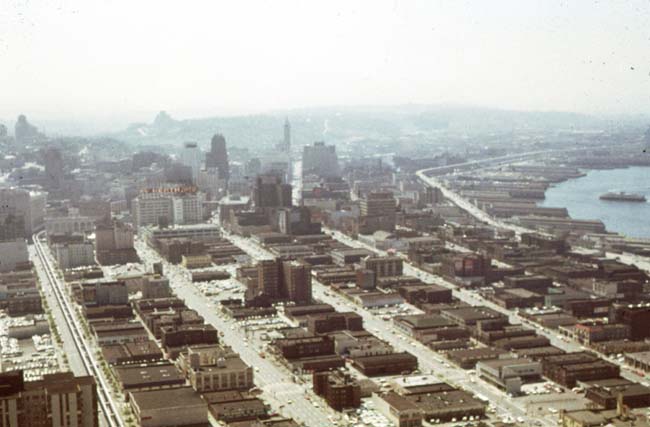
(27, 206)
(218, 156)
(377, 212)
(168, 205)
(191, 156)
(297, 281)
(271, 192)
(378, 203)
(114, 243)
(58, 400)
(282, 280)
(286, 142)
(53, 167)
(321, 160)
(269, 278)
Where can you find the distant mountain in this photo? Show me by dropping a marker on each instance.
(338, 124)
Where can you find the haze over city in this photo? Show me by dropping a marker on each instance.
(316, 214)
(127, 60)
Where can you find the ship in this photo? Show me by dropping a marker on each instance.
(622, 196)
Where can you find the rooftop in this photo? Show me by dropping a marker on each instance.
(180, 397)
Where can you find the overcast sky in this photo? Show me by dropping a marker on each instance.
(93, 58)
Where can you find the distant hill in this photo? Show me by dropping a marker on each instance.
(336, 124)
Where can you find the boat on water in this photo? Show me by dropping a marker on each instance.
(622, 196)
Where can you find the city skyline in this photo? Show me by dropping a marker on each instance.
(210, 59)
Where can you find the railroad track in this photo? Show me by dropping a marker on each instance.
(106, 404)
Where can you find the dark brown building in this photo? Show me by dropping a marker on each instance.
(636, 317)
(386, 364)
(568, 369)
(337, 388)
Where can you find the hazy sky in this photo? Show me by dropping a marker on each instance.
(195, 58)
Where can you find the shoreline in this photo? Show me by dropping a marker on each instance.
(584, 173)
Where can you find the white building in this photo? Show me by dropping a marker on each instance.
(69, 224)
(73, 252)
(192, 156)
(177, 208)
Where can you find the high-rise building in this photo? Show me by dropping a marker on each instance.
(297, 281)
(26, 132)
(286, 141)
(378, 203)
(377, 212)
(269, 278)
(321, 160)
(168, 205)
(58, 400)
(271, 192)
(53, 167)
(114, 243)
(191, 156)
(178, 173)
(282, 280)
(383, 266)
(218, 156)
(27, 206)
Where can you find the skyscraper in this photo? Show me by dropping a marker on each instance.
(191, 156)
(321, 160)
(218, 156)
(53, 167)
(297, 281)
(271, 192)
(287, 136)
(281, 280)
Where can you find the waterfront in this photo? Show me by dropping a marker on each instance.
(581, 197)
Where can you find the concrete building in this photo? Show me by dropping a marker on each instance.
(321, 160)
(383, 266)
(148, 377)
(192, 157)
(217, 157)
(509, 374)
(377, 212)
(271, 192)
(72, 250)
(168, 205)
(279, 280)
(58, 400)
(28, 205)
(174, 407)
(398, 409)
(53, 161)
(13, 255)
(297, 281)
(69, 224)
(215, 368)
(114, 243)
